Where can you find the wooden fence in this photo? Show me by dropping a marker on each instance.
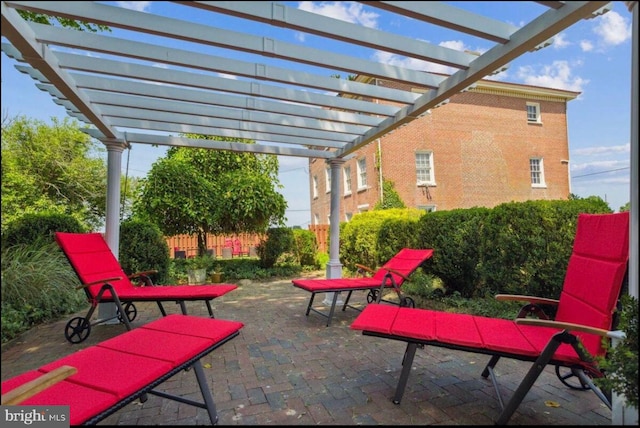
(187, 245)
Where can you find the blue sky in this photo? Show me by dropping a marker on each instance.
(593, 57)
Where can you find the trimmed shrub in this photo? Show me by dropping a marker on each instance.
(33, 227)
(278, 241)
(143, 248)
(305, 247)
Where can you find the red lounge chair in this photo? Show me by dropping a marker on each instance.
(391, 275)
(99, 380)
(592, 286)
(103, 280)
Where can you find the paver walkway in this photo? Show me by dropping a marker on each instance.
(288, 369)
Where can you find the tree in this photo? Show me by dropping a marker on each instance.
(202, 191)
(41, 18)
(52, 168)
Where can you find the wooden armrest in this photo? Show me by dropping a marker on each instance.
(139, 274)
(397, 273)
(530, 299)
(100, 281)
(562, 325)
(31, 388)
(365, 268)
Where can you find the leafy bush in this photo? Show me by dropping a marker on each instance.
(143, 248)
(305, 247)
(278, 241)
(32, 227)
(38, 286)
(621, 362)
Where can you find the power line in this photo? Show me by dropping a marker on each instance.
(601, 172)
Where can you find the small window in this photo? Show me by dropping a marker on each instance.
(315, 187)
(533, 113)
(346, 171)
(362, 173)
(348, 216)
(327, 174)
(363, 208)
(316, 219)
(424, 168)
(536, 168)
(427, 208)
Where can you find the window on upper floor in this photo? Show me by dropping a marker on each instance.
(327, 178)
(346, 174)
(533, 113)
(427, 208)
(536, 168)
(315, 187)
(424, 169)
(362, 173)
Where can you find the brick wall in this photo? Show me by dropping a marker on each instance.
(481, 143)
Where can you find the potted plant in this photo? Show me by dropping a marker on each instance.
(197, 269)
(216, 274)
(621, 364)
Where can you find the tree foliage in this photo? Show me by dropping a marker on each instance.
(202, 191)
(41, 18)
(52, 168)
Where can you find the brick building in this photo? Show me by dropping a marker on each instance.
(497, 142)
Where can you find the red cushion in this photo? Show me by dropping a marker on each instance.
(84, 403)
(171, 347)
(118, 373)
(213, 329)
(375, 317)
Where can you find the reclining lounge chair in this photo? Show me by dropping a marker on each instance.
(103, 281)
(390, 276)
(101, 379)
(585, 310)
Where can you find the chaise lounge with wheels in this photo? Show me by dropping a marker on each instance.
(104, 281)
(389, 277)
(97, 381)
(572, 341)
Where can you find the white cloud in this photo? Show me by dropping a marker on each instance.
(586, 45)
(589, 151)
(345, 11)
(557, 75)
(613, 28)
(140, 6)
(560, 41)
(599, 166)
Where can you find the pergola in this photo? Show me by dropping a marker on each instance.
(156, 77)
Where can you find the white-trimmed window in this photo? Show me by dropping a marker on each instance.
(363, 208)
(427, 208)
(315, 187)
(316, 218)
(424, 169)
(533, 113)
(348, 216)
(362, 173)
(346, 174)
(536, 168)
(329, 219)
(327, 179)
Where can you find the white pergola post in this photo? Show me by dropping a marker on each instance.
(112, 221)
(620, 413)
(334, 267)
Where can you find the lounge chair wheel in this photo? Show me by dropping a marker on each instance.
(564, 378)
(130, 310)
(407, 302)
(77, 329)
(372, 296)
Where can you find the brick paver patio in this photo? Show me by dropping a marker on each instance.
(289, 369)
